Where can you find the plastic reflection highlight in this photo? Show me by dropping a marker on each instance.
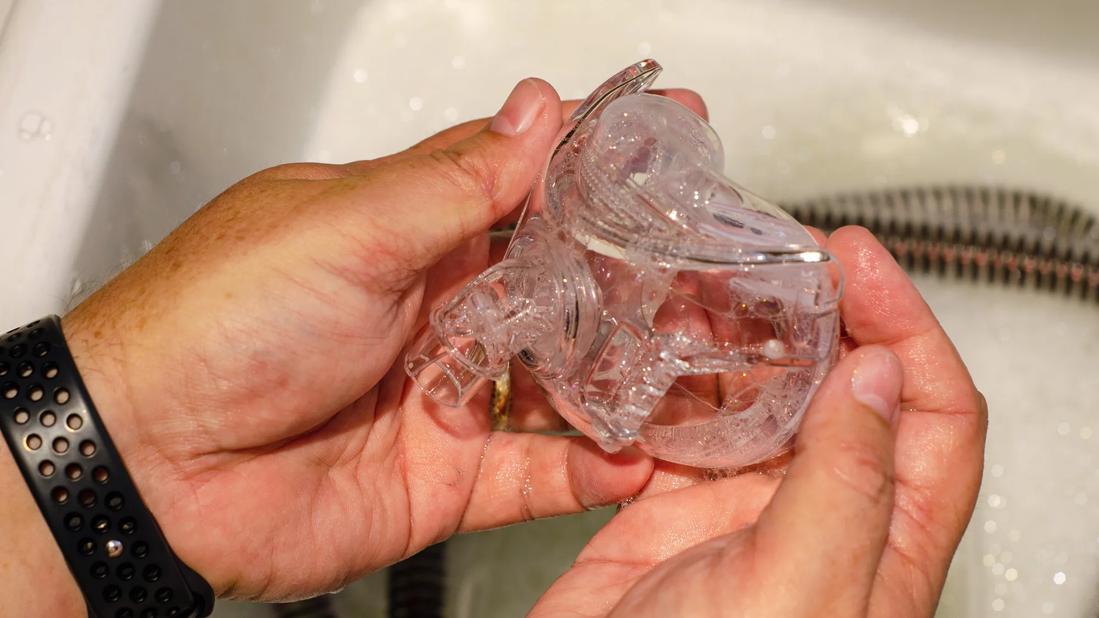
(657, 302)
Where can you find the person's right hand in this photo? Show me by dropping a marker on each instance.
(881, 486)
(248, 370)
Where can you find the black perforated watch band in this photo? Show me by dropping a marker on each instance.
(110, 541)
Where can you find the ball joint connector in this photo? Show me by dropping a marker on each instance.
(657, 302)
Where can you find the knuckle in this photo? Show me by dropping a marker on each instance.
(865, 470)
(298, 171)
(466, 172)
(527, 504)
(279, 172)
(919, 506)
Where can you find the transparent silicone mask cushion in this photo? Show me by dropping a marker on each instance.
(758, 346)
(655, 301)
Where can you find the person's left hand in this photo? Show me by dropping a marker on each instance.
(878, 492)
(248, 366)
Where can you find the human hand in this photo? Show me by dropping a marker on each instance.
(247, 369)
(880, 488)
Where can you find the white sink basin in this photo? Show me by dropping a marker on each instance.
(118, 119)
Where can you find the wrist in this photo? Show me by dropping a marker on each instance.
(100, 360)
(34, 579)
(130, 403)
(126, 529)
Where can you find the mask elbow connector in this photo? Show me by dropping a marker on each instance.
(470, 339)
(442, 372)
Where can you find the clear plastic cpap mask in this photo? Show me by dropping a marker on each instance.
(655, 301)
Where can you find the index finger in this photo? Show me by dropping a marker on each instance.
(940, 439)
(881, 306)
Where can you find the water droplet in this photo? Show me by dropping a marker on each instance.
(644, 48)
(1011, 575)
(996, 470)
(774, 349)
(1059, 578)
(990, 526)
(175, 167)
(1063, 428)
(451, 114)
(458, 62)
(997, 605)
(768, 132)
(995, 501)
(415, 104)
(33, 126)
(904, 122)
(359, 76)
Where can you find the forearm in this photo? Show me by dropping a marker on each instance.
(34, 580)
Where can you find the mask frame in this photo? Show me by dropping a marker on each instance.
(655, 301)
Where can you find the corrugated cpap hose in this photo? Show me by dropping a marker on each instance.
(973, 233)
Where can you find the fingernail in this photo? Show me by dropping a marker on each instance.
(876, 382)
(520, 110)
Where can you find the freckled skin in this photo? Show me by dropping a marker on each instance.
(248, 370)
(245, 369)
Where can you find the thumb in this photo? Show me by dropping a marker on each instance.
(836, 501)
(425, 205)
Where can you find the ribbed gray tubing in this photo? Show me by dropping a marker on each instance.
(417, 585)
(975, 233)
(994, 234)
